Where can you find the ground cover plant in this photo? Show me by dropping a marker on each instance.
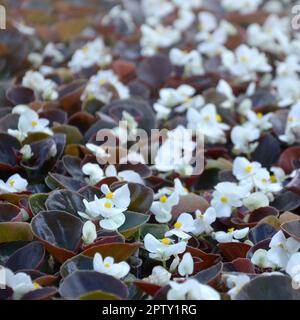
(83, 218)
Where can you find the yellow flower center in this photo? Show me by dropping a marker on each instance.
(12, 183)
(163, 199)
(189, 100)
(248, 169)
(107, 265)
(200, 27)
(290, 119)
(231, 230)
(178, 225)
(34, 123)
(166, 241)
(85, 49)
(224, 200)
(107, 205)
(273, 178)
(264, 180)
(259, 115)
(244, 59)
(102, 82)
(218, 118)
(36, 285)
(109, 195)
(207, 118)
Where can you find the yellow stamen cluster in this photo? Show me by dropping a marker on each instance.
(218, 118)
(273, 178)
(106, 265)
(178, 225)
(248, 169)
(224, 200)
(109, 195)
(231, 230)
(12, 183)
(165, 241)
(34, 123)
(259, 115)
(107, 205)
(102, 82)
(163, 199)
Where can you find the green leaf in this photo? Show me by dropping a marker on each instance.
(37, 203)
(132, 223)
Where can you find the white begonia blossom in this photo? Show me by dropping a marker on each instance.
(182, 98)
(191, 62)
(176, 152)
(186, 265)
(94, 171)
(191, 290)
(127, 127)
(207, 23)
(281, 249)
(278, 174)
(20, 283)
(97, 87)
(163, 249)
(51, 51)
(256, 200)
(224, 88)
(13, 185)
(154, 38)
(154, 16)
(188, 4)
(227, 196)
(159, 276)
(108, 266)
(184, 20)
(119, 197)
(125, 175)
(286, 89)
(89, 233)
(26, 152)
(231, 236)
(293, 269)
(207, 122)
(261, 260)
(92, 53)
(30, 122)
(245, 62)
(292, 130)
(262, 181)
(92, 210)
(202, 223)
(243, 138)
(178, 187)
(163, 207)
(235, 283)
(244, 169)
(183, 225)
(243, 6)
(98, 151)
(290, 67)
(212, 44)
(259, 120)
(46, 88)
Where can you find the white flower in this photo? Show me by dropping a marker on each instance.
(98, 151)
(292, 130)
(151, 13)
(224, 88)
(244, 169)
(259, 120)
(243, 138)
(117, 13)
(231, 236)
(186, 266)
(293, 269)
(202, 223)
(89, 234)
(97, 87)
(108, 266)
(227, 196)
(262, 181)
(93, 53)
(183, 225)
(51, 51)
(92, 209)
(120, 197)
(243, 6)
(207, 122)
(256, 200)
(212, 44)
(191, 290)
(162, 208)
(207, 23)
(176, 152)
(236, 283)
(163, 249)
(41, 86)
(94, 171)
(159, 276)
(261, 260)
(126, 129)
(287, 91)
(125, 175)
(26, 152)
(14, 184)
(20, 283)
(245, 62)
(154, 38)
(190, 61)
(281, 249)
(29, 121)
(178, 187)
(184, 20)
